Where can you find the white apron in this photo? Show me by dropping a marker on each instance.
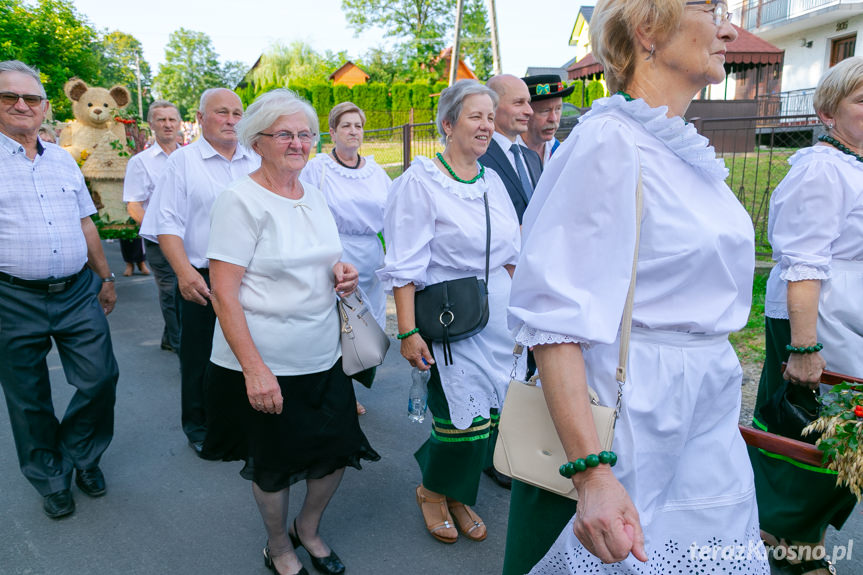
(840, 318)
(681, 458)
(367, 254)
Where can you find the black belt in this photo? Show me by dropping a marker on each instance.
(56, 285)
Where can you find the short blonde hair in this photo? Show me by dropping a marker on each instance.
(837, 84)
(340, 110)
(612, 33)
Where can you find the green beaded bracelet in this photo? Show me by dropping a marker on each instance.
(570, 468)
(408, 333)
(811, 349)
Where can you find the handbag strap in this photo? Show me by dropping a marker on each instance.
(487, 235)
(626, 321)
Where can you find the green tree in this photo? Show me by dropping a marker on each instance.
(121, 54)
(191, 66)
(476, 38)
(297, 63)
(419, 25)
(52, 36)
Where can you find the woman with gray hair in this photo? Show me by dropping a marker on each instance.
(356, 188)
(277, 395)
(680, 496)
(814, 314)
(436, 230)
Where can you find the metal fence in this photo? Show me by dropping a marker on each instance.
(394, 148)
(752, 14)
(756, 150)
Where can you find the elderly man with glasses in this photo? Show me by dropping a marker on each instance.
(55, 284)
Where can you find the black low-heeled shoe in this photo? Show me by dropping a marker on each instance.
(330, 564)
(268, 563)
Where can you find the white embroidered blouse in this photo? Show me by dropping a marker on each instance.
(696, 258)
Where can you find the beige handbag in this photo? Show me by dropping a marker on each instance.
(528, 447)
(364, 343)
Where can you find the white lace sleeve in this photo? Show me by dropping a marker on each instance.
(800, 272)
(529, 337)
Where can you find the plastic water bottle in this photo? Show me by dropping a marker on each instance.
(419, 394)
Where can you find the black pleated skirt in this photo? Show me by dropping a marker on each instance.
(317, 432)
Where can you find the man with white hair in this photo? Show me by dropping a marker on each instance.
(142, 172)
(55, 284)
(546, 100)
(179, 219)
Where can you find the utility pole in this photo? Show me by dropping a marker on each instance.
(495, 45)
(456, 45)
(138, 77)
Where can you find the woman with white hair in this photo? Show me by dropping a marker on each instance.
(277, 395)
(680, 497)
(814, 311)
(355, 187)
(436, 229)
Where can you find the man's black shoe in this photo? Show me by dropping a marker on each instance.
(198, 446)
(503, 480)
(90, 481)
(168, 347)
(59, 504)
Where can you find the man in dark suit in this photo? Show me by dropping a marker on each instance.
(518, 166)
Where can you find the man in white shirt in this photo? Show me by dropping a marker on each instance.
(142, 173)
(179, 219)
(546, 101)
(518, 166)
(55, 285)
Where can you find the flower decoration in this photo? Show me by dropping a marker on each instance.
(841, 428)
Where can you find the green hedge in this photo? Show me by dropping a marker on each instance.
(421, 102)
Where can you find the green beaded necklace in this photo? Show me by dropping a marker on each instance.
(626, 96)
(839, 146)
(473, 180)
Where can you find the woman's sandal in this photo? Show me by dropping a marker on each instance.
(468, 522)
(437, 517)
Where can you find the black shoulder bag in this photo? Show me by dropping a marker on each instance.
(455, 309)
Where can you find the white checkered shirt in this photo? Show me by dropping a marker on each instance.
(42, 203)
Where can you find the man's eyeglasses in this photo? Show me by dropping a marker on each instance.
(718, 7)
(285, 137)
(11, 98)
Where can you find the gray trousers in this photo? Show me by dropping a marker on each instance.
(166, 281)
(48, 449)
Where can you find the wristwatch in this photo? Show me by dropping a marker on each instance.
(109, 279)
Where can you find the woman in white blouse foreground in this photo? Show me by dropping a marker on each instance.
(276, 393)
(435, 227)
(356, 191)
(814, 296)
(681, 493)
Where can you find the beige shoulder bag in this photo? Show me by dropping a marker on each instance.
(528, 447)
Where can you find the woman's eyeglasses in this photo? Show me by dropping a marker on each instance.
(11, 98)
(285, 137)
(718, 8)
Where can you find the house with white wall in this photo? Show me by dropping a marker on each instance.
(815, 35)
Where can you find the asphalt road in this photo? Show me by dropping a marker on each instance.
(168, 512)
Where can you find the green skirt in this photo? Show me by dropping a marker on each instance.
(536, 518)
(795, 501)
(451, 459)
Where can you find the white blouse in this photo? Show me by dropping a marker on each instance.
(816, 216)
(696, 257)
(435, 227)
(289, 248)
(357, 198)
